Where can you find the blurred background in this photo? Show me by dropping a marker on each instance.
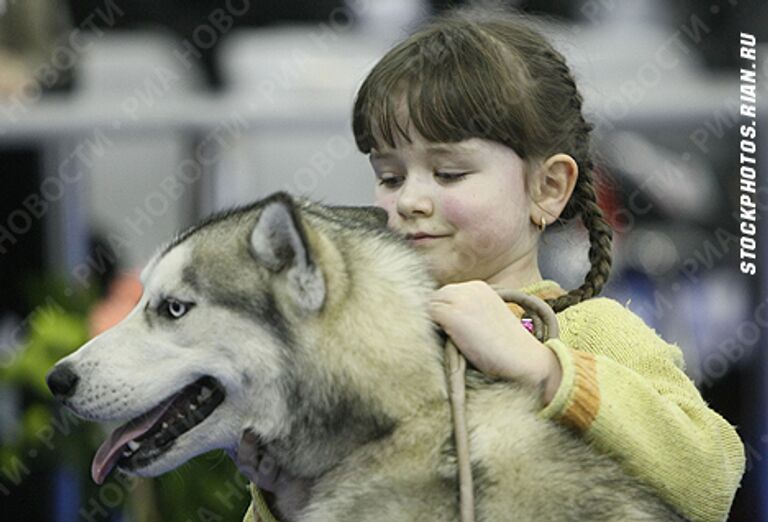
(122, 122)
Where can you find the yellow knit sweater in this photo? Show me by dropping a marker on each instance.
(624, 389)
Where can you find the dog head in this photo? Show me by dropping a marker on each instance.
(304, 323)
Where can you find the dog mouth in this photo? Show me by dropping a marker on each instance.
(142, 440)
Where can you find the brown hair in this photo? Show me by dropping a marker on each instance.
(484, 73)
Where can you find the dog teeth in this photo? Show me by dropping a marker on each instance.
(127, 453)
(164, 425)
(133, 445)
(192, 407)
(205, 393)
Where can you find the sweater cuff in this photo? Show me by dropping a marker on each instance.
(577, 400)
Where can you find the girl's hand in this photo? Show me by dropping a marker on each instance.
(291, 493)
(492, 338)
(260, 469)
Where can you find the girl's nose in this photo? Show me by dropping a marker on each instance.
(414, 199)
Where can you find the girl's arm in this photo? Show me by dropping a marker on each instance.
(623, 387)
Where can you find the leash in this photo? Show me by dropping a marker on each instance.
(544, 327)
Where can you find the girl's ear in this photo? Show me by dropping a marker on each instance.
(552, 185)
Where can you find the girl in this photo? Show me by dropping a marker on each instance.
(475, 132)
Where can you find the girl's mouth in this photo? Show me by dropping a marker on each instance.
(423, 239)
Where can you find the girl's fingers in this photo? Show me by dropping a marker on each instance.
(258, 467)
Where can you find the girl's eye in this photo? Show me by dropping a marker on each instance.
(451, 176)
(390, 182)
(173, 309)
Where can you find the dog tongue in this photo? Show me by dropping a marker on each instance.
(110, 450)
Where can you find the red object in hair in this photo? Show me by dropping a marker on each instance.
(607, 196)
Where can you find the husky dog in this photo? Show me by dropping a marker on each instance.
(308, 325)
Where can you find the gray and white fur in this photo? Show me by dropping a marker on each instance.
(314, 321)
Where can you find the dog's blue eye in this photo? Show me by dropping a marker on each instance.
(174, 309)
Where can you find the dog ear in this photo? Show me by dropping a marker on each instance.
(279, 242)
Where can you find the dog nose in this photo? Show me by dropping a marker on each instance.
(62, 381)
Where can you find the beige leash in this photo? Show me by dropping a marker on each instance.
(545, 327)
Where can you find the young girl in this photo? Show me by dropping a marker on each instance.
(475, 132)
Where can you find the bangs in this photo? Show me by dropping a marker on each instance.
(450, 84)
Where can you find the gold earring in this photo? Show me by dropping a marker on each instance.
(543, 224)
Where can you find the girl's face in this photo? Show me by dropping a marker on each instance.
(467, 200)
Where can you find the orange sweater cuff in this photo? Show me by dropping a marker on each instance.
(577, 401)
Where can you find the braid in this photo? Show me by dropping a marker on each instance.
(600, 236)
(583, 202)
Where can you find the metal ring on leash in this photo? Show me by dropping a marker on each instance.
(545, 327)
